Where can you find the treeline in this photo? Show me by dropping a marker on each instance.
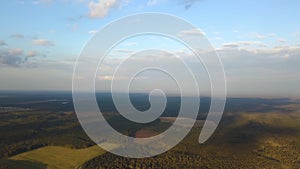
(179, 160)
(18, 164)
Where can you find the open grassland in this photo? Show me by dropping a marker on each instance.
(60, 157)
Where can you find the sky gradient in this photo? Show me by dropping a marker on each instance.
(257, 41)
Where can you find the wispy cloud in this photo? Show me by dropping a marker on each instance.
(125, 3)
(101, 8)
(124, 51)
(15, 51)
(230, 45)
(188, 3)
(152, 2)
(281, 40)
(110, 78)
(256, 35)
(32, 53)
(43, 42)
(92, 32)
(243, 44)
(17, 36)
(274, 58)
(2, 43)
(11, 57)
(36, 2)
(190, 33)
(17, 57)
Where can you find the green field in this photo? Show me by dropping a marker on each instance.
(60, 157)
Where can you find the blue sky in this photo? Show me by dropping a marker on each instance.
(258, 41)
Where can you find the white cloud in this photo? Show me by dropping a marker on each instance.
(92, 32)
(43, 42)
(32, 53)
(15, 51)
(124, 51)
(243, 44)
(36, 2)
(261, 36)
(105, 77)
(230, 45)
(281, 40)
(191, 32)
(110, 78)
(101, 8)
(271, 35)
(16, 57)
(11, 57)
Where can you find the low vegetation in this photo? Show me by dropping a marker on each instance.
(60, 157)
(42, 131)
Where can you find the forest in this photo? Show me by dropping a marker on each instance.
(254, 133)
